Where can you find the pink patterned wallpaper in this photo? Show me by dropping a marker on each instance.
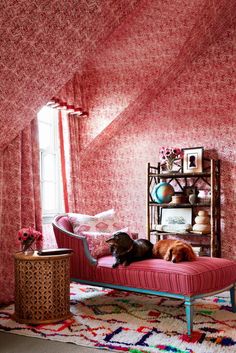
(142, 50)
(149, 68)
(43, 43)
(198, 109)
(153, 78)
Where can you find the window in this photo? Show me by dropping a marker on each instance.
(50, 176)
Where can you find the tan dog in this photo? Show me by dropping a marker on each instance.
(173, 250)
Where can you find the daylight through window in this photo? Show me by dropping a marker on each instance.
(50, 178)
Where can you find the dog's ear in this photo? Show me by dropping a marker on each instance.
(168, 255)
(188, 254)
(121, 235)
(184, 254)
(111, 241)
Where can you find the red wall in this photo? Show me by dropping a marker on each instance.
(198, 109)
(143, 49)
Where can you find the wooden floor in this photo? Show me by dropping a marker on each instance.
(10, 343)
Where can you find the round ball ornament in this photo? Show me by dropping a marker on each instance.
(162, 192)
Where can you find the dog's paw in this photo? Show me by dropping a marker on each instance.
(115, 265)
(126, 263)
(167, 257)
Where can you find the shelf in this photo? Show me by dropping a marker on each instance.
(179, 205)
(180, 234)
(201, 245)
(208, 179)
(180, 175)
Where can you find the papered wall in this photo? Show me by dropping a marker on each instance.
(120, 48)
(43, 43)
(198, 109)
(149, 67)
(146, 46)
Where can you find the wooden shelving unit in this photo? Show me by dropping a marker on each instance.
(209, 179)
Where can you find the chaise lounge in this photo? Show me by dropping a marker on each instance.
(186, 280)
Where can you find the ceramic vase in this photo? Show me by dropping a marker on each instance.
(202, 223)
(192, 198)
(169, 165)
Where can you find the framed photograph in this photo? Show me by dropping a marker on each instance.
(192, 160)
(176, 216)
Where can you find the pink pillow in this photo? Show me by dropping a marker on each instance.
(105, 222)
(97, 242)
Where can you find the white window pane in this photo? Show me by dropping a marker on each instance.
(49, 165)
(46, 114)
(51, 188)
(45, 136)
(49, 196)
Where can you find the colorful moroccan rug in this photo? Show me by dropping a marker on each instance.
(136, 323)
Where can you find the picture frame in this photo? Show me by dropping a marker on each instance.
(178, 215)
(192, 161)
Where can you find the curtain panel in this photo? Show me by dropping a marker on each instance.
(63, 157)
(71, 97)
(20, 200)
(72, 103)
(69, 135)
(74, 182)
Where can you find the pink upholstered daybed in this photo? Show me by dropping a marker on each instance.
(186, 280)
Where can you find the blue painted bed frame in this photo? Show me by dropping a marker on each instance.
(188, 301)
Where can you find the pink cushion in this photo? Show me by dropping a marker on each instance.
(204, 275)
(65, 223)
(96, 240)
(97, 244)
(105, 222)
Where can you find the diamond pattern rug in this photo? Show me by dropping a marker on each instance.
(136, 323)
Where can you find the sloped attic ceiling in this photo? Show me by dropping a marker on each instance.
(43, 42)
(144, 56)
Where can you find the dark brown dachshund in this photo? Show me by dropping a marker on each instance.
(126, 250)
(173, 250)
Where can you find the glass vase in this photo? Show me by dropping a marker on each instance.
(169, 165)
(27, 247)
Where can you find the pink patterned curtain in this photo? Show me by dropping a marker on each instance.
(71, 103)
(74, 191)
(69, 128)
(20, 200)
(71, 97)
(64, 171)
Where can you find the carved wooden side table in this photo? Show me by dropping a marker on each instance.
(42, 288)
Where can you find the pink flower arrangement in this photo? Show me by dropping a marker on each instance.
(27, 236)
(169, 154)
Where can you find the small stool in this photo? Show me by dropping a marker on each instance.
(42, 288)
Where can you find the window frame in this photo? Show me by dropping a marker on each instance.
(54, 150)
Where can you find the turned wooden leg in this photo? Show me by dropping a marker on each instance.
(233, 297)
(189, 314)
